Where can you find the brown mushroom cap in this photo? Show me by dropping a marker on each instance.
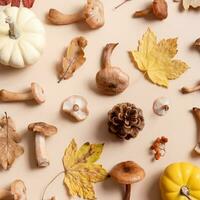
(94, 13)
(38, 93)
(127, 172)
(42, 128)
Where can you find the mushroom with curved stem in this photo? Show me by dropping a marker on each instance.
(127, 173)
(35, 93)
(111, 80)
(76, 106)
(161, 106)
(159, 9)
(92, 14)
(196, 112)
(186, 90)
(41, 131)
(17, 191)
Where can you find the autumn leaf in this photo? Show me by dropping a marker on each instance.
(81, 171)
(190, 3)
(26, 3)
(155, 59)
(73, 58)
(9, 149)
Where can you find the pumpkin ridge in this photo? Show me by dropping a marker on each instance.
(40, 51)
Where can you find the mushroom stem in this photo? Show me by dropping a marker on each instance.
(185, 192)
(8, 96)
(13, 31)
(76, 107)
(186, 90)
(127, 192)
(40, 150)
(143, 13)
(107, 52)
(165, 107)
(58, 18)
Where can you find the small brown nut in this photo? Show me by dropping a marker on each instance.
(111, 80)
(77, 107)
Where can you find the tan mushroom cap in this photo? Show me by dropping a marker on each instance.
(127, 172)
(42, 128)
(18, 190)
(38, 93)
(94, 13)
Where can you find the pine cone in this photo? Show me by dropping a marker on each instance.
(125, 120)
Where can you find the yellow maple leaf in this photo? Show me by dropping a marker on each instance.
(155, 59)
(81, 171)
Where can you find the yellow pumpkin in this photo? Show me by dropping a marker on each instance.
(180, 181)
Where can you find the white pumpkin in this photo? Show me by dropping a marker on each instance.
(22, 37)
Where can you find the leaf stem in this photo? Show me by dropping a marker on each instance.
(125, 1)
(51, 181)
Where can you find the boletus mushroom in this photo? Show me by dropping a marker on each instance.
(77, 107)
(17, 191)
(41, 131)
(111, 80)
(159, 9)
(127, 173)
(92, 14)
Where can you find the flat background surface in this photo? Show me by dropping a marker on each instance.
(178, 125)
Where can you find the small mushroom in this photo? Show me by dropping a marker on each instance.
(159, 9)
(186, 90)
(41, 131)
(77, 107)
(127, 173)
(197, 44)
(17, 191)
(35, 93)
(111, 80)
(161, 106)
(196, 112)
(92, 14)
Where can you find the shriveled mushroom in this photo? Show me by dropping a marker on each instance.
(35, 93)
(186, 90)
(196, 112)
(127, 173)
(92, 14)
(197, 43)
(17, 191)
(161, 106)
(111, 80)
(76, 106)
(159, 9)
(41, 131)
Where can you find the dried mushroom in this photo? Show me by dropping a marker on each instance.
(196, 112)
(41, 131)
(190, 3)
(92, 14)
(111, 80)
(127, 173)
(159, 9)
(73, 58)
(187, 90)
(9, 139)
(35, 93)
(17, 191)
(77, 107)
(125, 120)
(161, 106)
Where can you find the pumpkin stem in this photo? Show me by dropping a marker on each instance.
(185, 192)
(13, 32)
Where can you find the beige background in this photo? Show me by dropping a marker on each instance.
(178, 125)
